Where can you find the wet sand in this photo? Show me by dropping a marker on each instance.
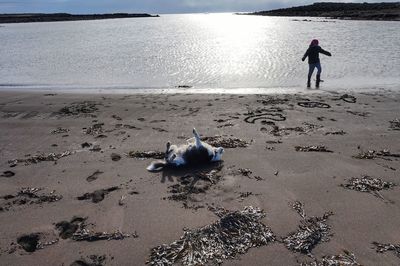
(68, 158)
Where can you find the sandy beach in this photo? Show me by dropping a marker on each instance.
(72, 190)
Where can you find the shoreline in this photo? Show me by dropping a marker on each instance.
(186, 89)
(150, 209)
(57, 17)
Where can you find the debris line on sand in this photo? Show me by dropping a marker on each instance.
(233, 234)
(28, 196)
(51, 157)
(381, 248)
(226, 142)
(313, 105)
(313, 148)
(194, 184)
(368, 184)
(146, 154)
(299, 208)
(345, 259)
(77, 230)
(311, 232)
(395, 124)
(79, 108)
(372, 154)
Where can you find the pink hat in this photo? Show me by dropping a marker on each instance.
(314, 42)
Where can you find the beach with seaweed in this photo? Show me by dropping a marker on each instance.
(307, 178)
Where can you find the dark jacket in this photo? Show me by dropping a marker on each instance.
(313, 54)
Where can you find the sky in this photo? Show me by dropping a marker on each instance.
(150, 6)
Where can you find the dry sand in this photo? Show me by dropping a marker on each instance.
(279, 176)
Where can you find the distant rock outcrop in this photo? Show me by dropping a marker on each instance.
(39, 17)
(355, 11)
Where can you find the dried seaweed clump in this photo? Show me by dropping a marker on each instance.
(197, 183)
(299, 208)
(368, 184)
(395, 124)
(311, 232)
(77, 230)
(28, 196)
(226, 142)
(80, 108)
(284, 131)
(59, 130)
(93, 260)
(381, 248)
(95, 129)
(315, 148)
(146, 154)
(345, 259)
(233, 234)
(51, 157)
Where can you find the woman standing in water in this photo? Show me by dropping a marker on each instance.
(313, 61)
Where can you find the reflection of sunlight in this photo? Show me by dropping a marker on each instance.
(235, 40)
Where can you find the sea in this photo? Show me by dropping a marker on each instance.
(197, 52)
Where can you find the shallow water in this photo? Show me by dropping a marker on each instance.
(200, 50)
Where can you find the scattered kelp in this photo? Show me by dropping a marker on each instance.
(309, 104)
(395, 124)
(51, 157)
(244, 195)
(368, 184)
(97, 195)
(27, 196)
(311, 232)
(67, 229)
(363, 114)
(79, 109)
(192, 184)
(77, 230)
(313, 148)
(225, 142)
(126, 126)
(59, 130)
(245, 172)
(340, 132)
(235, 233)
(372, 154)
(92, 260)
(94, 130)
(299, 208)
(90, 236)
(348, 98)
(381, 248)
(146, 154)
(345, 259)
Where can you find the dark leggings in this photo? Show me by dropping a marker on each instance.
(312, 67)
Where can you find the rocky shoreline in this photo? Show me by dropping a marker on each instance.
(39, 17)
(352, 11)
